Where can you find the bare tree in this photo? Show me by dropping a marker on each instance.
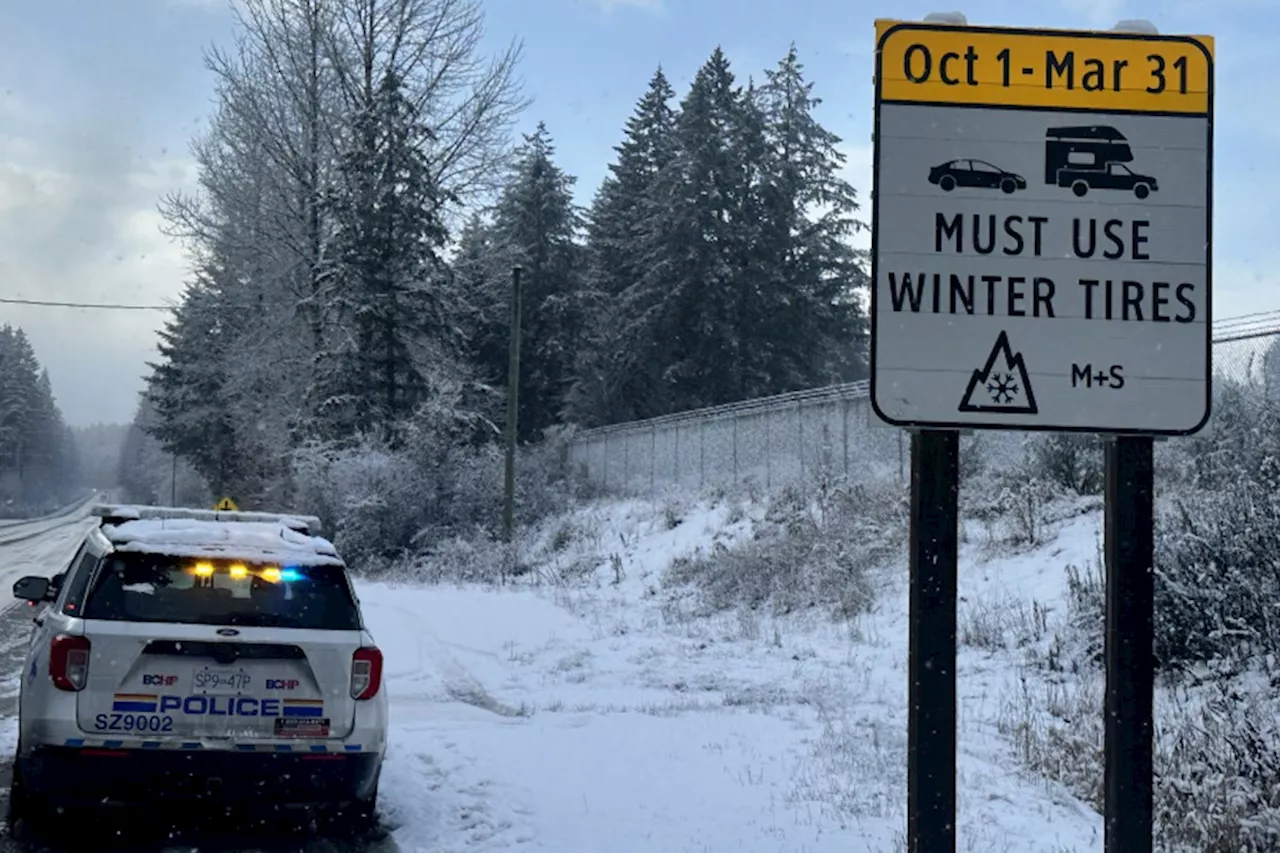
(470, 102)
(273, 140)
(261, 227)
(300, 70)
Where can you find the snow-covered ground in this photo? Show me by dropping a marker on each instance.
(603, 717)
(595, 717)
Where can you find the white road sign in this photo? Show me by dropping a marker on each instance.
(1042, 230)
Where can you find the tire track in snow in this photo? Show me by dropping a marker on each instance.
(431, 652)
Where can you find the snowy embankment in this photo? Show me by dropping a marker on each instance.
(593, 710)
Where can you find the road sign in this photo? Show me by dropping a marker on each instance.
(227, 505)
(1041, 229)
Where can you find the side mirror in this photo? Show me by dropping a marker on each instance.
(31, 588)
(55, 586)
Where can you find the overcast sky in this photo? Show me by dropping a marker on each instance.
(99, 99)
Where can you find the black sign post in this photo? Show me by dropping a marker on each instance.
(931, 694)
(1130, 629)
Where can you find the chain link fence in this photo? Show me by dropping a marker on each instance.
(793, 438)
(1243, 359)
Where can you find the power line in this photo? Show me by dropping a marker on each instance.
(1231, 329)
(1268, 312)
(42, 303)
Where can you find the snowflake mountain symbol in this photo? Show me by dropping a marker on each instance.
(1002, 387)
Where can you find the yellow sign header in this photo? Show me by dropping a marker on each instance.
(1048, 69)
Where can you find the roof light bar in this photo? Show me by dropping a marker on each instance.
(120, 513)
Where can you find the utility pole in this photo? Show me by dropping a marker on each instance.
(513, 403)
(173, 481)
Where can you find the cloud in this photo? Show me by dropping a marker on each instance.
(79, 223)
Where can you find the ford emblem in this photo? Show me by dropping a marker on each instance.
(228, 632)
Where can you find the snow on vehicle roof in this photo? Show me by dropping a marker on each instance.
(251, 541)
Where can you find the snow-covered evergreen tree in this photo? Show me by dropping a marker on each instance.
(812, 320)
(537, 226)
(699, 274)
(194, 414)
(618, 372)
(38, 460)
(393, 312)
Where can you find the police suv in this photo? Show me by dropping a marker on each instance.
(190, 655)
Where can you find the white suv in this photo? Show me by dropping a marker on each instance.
(196, 655)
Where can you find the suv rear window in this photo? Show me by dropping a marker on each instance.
(157, 588)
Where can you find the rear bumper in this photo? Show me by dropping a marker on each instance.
(71, 776)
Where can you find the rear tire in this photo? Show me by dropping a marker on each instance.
(27, 815)
(360, 817)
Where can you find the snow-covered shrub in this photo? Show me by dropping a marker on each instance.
(480, 557)
(1218, 538)
(1013, 487)
(546, 485)
(1086, 612)
(1217, 583)
(975, 456)
(1219, 773)
(813, 548)
(674, 506)
(1071, 462)
(383, 504)
(1001, 621)
(1055, 727)
(1245, 430)
(1217, 758)
(1015, 507)
(369, 496)
(1218, 573)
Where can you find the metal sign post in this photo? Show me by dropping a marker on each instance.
(931, 667)
(1128, 742)
(1041, 258)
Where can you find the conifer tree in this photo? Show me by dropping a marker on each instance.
(812, 318)
(698, 274)
(618, 370)
(537, 225)
(392, 309)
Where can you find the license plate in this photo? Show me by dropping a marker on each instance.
(302, 727)
(220, 681)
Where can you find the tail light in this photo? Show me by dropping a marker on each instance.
(69, 662)
(366, 672)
